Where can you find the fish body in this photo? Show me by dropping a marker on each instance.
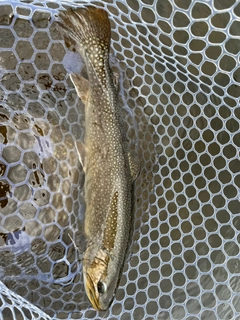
(107, 161)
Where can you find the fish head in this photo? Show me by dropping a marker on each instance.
(101, 278)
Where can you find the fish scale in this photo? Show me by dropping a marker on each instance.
(104, 156)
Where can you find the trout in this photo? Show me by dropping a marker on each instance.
(109, 164)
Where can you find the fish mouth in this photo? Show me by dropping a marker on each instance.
(89, 287)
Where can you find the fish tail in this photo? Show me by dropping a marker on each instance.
(90, 29)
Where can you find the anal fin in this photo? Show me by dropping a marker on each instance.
(81, 153)
(81, 85)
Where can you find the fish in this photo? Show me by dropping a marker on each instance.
(110, 163)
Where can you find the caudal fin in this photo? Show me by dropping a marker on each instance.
(89, 27)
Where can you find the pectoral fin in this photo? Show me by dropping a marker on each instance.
(81, 153)
(81, 85)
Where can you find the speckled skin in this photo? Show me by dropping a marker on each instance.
(108, 177)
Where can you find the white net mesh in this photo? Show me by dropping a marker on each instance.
(181, 78)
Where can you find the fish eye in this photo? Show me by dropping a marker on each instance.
(101, 286)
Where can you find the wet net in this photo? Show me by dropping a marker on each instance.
(178, 62)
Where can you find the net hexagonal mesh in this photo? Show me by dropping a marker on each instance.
(178, 62)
